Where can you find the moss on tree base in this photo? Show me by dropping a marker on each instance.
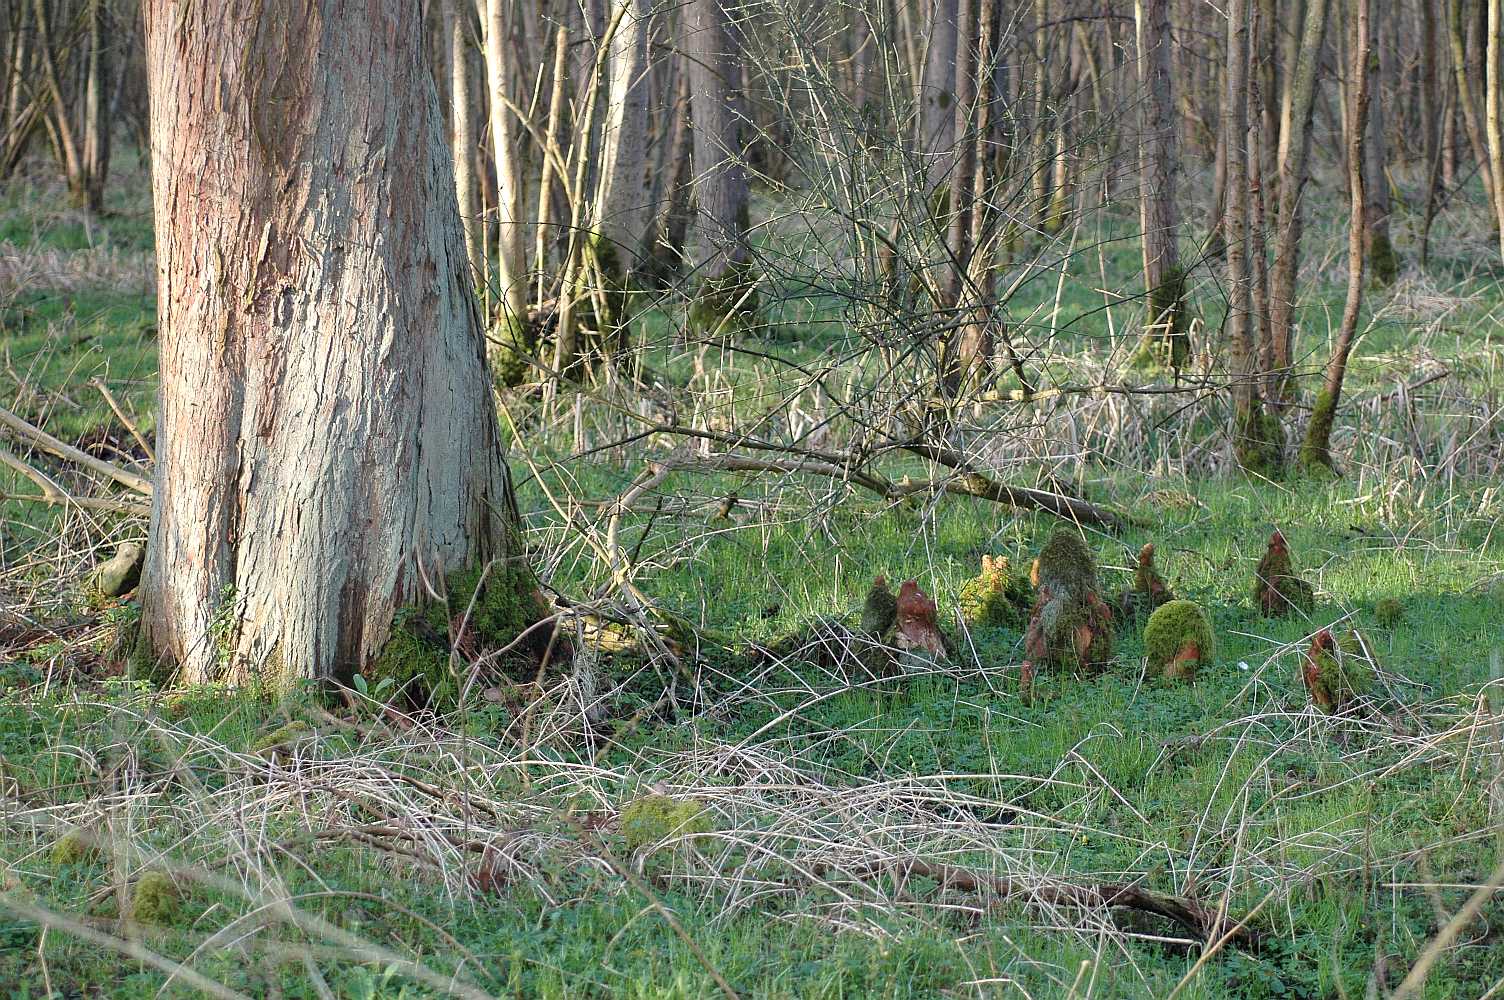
(483, 612)
(1259, 441)
(511, 345)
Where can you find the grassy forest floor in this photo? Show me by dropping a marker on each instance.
(497, 851)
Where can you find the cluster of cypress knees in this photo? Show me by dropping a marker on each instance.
(1068, 624)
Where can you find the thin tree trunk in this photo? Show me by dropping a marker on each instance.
(462, 123)
(1467, 105)
(1255, 443)
(1164, 280)
(511, 238)
(62, 125)
(94, 159)
(1315, 452)
(1494, 82)
(1383, 261)
(326, 438)
(1294, 148)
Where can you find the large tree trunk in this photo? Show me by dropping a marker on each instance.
(937, 94)
(1164, 281)
(621, 197)
(326, 436)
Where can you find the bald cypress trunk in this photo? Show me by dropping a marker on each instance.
(326, 434)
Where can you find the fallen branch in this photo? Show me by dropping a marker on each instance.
(967, 482)
(976, 483)
(1206, 924)
(972, 482)
(48, 443)
(52, 493)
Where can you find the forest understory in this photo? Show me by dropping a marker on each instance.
(713, 792)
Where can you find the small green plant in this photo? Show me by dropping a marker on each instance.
(222, 627)
(1389, 612)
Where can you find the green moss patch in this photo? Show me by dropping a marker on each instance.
(484, 612)
(154, 899)
(652, 818)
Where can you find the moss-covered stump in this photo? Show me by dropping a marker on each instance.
(1149, 589)
(154, 899)
(284, 740)
(1070, 625)
(1336, 673)
(1178, 639)
(483, 613)
(1383, 260)
(656, 817)
(916, 630)
(996, 597)
(726, 303)
(1164, 345)
(1277, 591)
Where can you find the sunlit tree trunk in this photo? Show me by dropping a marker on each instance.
(1316, 449)
(462, 123)
(511, 238)
(1494, 81)
(1296, 105)
(326, 436)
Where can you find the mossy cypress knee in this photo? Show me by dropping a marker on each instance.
(1178, 638)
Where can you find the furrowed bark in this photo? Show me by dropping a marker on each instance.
(326, 439)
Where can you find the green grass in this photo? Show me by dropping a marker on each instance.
(1328, 827)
